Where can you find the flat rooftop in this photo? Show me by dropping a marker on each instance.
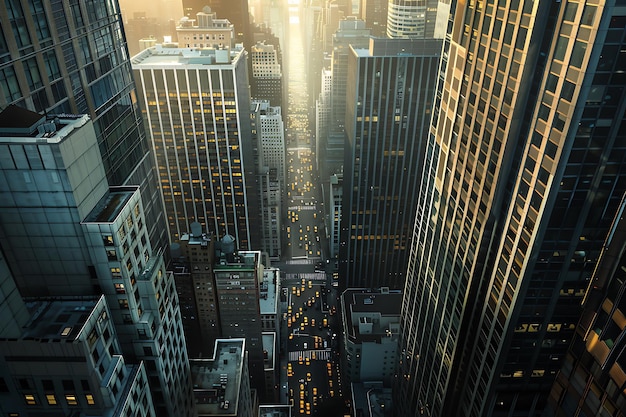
(20, 125)
(58, 320)
(170, 55)
(110, 205)
(385, 304)
(268, 301)
(379, 47)
(269, 341)
(216, 381)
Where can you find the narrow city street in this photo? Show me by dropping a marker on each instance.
(310, 378)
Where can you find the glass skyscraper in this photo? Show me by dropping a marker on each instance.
(71, 57)
(390, 91)
(525, 170)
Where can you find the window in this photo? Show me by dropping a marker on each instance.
(8, 82)
(90, 400)
(30, 399)
(71, 399)
(52, 400)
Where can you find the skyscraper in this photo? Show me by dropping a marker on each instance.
(417, 19)
(525, 171)
(351, 31)
(70, 235)
(267, 77)
(594, 366)
(71, 57)
(197, 104)
(390, 95)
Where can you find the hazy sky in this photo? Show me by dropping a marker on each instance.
(164, 9)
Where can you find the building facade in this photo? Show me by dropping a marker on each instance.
(142, 297)
(266, 82)
(390, 95)
(524, 174)
(206, 31)
(594, 370)
(235, 11)
(197, 106)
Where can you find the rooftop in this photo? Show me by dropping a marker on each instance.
(269, 341)
(216, 381)
(58, 320)
(282, 410)
(170, 55)
(110, 205)
(368, 315)
(366, 301)
(19, 125)
(268, 301)
(379, 47)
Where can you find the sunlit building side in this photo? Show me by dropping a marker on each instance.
(525, 171)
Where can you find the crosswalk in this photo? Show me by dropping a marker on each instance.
(309, 276)
(303, 207)
(308, 261)
(320, 354)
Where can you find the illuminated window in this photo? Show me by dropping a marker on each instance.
(90, 400)
(71, 399)
(30, 399)
(52, 400)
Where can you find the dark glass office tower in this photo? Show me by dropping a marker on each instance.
(390, 91)
(525, 170)
(71, 57)
(592, 378)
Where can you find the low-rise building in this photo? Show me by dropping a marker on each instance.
(221, 385)
(68, 361)
(371, 324)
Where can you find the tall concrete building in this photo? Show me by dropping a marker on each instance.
(266, 82)
(73, 236)
(197, 109)
(524, 176)
(238, 275)
(66, 359)
(335, 199)
(417, 19)
(71, 57)
(390, 95)
(269, 131)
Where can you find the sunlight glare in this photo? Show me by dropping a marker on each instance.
(294, 20)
